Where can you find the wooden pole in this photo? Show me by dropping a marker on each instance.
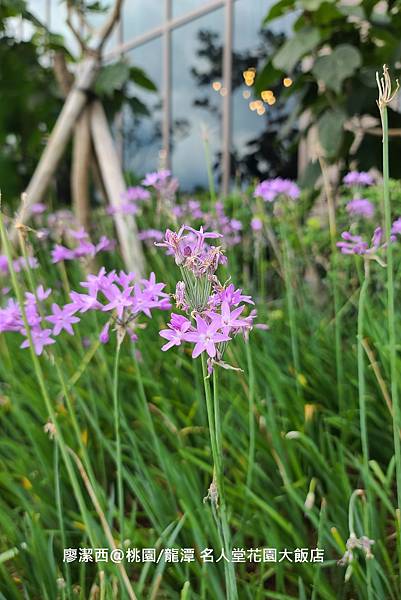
(114, 183)
(81, 163)
(67, 120)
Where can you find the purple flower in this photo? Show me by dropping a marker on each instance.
(360, 178)
(135, 193)
(79, 234)
(37, 208)
(354, 244)
(118, 299)
(105, 245)
(104, 334)
(229, 319)
(206, 336)
(270, 189)
(156, 178)
(94, 283)
(233, 297)
(256, 224)
(82, 303)
(41, 294)
(177, 327)
(62, 319)
(360, 207)
(152, 289)
(40, 339)
(3, 263)
(11, 317)
(396, 227)
(151, 234)
(60, 253)
(21, 263)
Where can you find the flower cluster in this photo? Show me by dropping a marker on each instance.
(354, 244)
(358, 178)
(353, 543)
(18, 263)
(83, 247)
(360, 207)
(118, 294)
(271, 189)
(214, 313)
(130, 201)
(163, 183)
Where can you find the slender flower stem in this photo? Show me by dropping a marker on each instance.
(209, 168)
(288, 278)
(361, 376)
(219, 510)
(59, 505)
(116, 405)
(335, 287)
(391, 316)
(362, 413)
(390, 307)
(42, 385)
(251, 416)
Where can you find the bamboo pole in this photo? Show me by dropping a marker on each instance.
(81, 161)
(114, 183)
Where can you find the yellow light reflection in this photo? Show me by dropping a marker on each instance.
(267, 94)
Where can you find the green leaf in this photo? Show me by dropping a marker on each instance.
(139, 77)
(295, 48)
(337, 66)
(111, 78)
(278, 10)
(138, 107)
(330, 130)
(267, 77)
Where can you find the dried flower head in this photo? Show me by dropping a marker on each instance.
(385, 86)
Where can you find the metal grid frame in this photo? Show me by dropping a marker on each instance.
(164, 31)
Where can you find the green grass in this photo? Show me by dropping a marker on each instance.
(285, 437)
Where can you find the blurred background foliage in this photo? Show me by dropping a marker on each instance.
(332, 55)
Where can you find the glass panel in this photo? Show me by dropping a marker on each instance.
(181, 7)
(196, 106)
(58, 16)
(142, 134)
(23, 28)
(38, 8)
(141, 15)
(96, 20)
(253, 134)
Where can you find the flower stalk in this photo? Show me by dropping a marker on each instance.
(386, 95)
(216, 491)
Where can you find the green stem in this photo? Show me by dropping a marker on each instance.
(289, 291)
(361, 377)
(59, 505)
(251, 416)
(390, 307)
(42, 385)
(220, 513)
(391, 318)
(116, 406)
(212, 189)
(335, 287)
(362, 413)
